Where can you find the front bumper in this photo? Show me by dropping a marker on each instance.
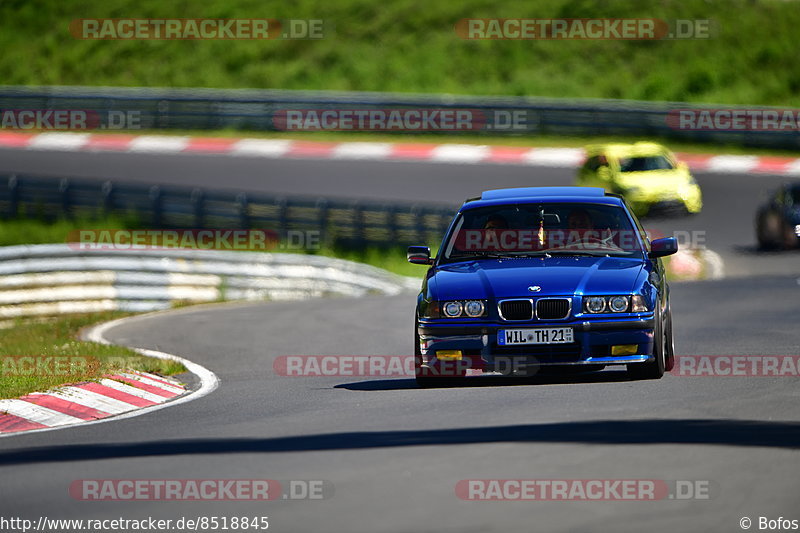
(666, 203)
(593, 341)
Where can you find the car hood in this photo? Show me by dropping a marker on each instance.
(509, 278)
(655, 181)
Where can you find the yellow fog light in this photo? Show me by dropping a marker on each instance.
(624, 349)
(448, 355)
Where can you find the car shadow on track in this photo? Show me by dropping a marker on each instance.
(607, 376)
(720, 432)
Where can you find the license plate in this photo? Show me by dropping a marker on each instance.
(506, 337)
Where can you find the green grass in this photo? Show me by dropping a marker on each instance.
(391, 259)
(33, 231)
(411, 46)
(73, 360)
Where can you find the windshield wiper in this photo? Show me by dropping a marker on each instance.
(598, 253)
(488, 255)
(542, 253)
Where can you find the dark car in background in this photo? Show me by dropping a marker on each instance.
(778, 221)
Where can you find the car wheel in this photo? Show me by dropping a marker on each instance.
(669, 343)
(789, 240)
(654, 369)
(768, 230)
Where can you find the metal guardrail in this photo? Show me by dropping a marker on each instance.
(257, 110)
(49, 279)
(351, 223)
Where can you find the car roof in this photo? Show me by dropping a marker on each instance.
(524, 195)
(642, 148)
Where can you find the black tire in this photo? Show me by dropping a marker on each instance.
(654, 369)
(669, 343)
(788, 237)
(768, 228)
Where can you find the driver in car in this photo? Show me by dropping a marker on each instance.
(580, 219)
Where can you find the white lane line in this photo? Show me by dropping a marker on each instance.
(59, 141)
(554, 157)
(158, 384)
(715, 264)
(459, 153)
(261, 147)
(91, 399)
(732, 163)
(37, 413)
(362, 151)
(158, 144)
(792, 168)
(133, 391)
(155, 377)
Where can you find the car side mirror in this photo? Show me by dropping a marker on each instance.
(663, 247)
(419, 255)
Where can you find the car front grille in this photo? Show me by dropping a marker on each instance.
(552, 308)
(516, 310)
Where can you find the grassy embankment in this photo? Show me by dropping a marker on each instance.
(411, 46)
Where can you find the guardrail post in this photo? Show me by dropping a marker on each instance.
(391, 224)
(244, 210)
(155, 205)
(419, 226)
(107, 191)
(197, 206)
(283, 207)
(13, 196)
(358, 224)
(63, 190)
(322, 207)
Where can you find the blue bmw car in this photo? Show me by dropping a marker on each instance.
(536, 278)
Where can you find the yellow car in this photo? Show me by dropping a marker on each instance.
(647, 174)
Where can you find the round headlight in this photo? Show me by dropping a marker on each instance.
(452, 309)
(618, 304)
(595, 304)
(473, 308)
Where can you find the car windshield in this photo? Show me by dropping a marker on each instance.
(640, 164)
(544, 229)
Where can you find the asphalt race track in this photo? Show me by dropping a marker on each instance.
(394, 453)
